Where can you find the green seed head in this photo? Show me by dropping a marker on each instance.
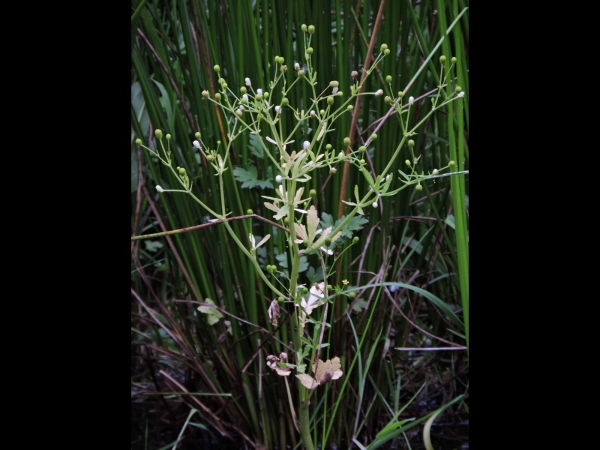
(311, 29)
(218, 96)
(386, 51)
(168, 136)
(418, 187)
(138, 141)
(374, 137)
(249, 211)
(322, 112)
(355, 239)
(330, 100)
(258, 97)
(442, 59)
(400, 94)
(411, 143)
(388, 78)
(362, 149)
(301, 73)
(334, 83)
(332, 170)
(285, 101)
(457, 89)
(205, 94)
(352, 294)
(350, 107)
(158, 133)
(383, 47)
(243, 89)
(197, 134)
(312, 193)
(453, 59)
(387, 99)
(327, 147)
(346, 141)
(451, 163)
(181, 171)
(217, 68)
(303, 27)
(407, 162)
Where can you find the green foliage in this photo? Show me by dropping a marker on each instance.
(249, 177)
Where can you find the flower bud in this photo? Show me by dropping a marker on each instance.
(244, 97)
(354, 74)
(379, 92)
(362, 149)
(328, 147)
(247, 81)
(196, 144)
(309, 50)
(181, 171)
(322, 112)
(277, 109)
(279, 178)
(457, 89)
(383, 47)
(218, 96)
(312, 193)
(352, 294)
(327, 240)
(349, 108)
(285, 101)
(334, 83)
(346, 141)
(205, 94)
(355, 239)
(303, 27)
(387, 99)
(243, 90)
(306, 145)
(301, 73)
(435, 172)
(332, 170)
(197, 134)
(296, 66)
(453, 59)
(259, 91)
(411, 100)
(217, 68)
(451, 163)
(460, 95)
(138, 141)
(442, 59)
(312, 113)
(386, 51)
(375, 204)
(330, 100)
(418, 187)
(407, 162)
(249, 211)
(158, 133)
(411, 143)
(374, 137)
(388, 78)
(159, 188)
(258, 97)
(311, 29)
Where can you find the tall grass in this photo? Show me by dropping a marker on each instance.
(413, 247)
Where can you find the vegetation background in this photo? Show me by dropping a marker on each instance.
(194, 383)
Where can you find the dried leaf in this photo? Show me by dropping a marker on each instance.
(328, 370)
(315, 298)
(307, 380)
(274, 312)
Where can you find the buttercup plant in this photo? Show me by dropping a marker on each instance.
(259, 112)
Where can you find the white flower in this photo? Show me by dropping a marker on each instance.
(460, 94)
(259, 91)
(306, 145)
(196, 144)
(247, 80)
(278, 109)
(379, 92)
(341, 155)
(159, 189)
(238, 112)
(435, 171)
(335, 90)
(279, 178)
(312, 113)
(411, 100)
(296, 66)
(245, 96)
(375, 204)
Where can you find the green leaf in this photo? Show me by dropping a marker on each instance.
(153, 246)
(314, 276)
(355, 224)
(249, 178)
(256, 147)
(359, 305)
